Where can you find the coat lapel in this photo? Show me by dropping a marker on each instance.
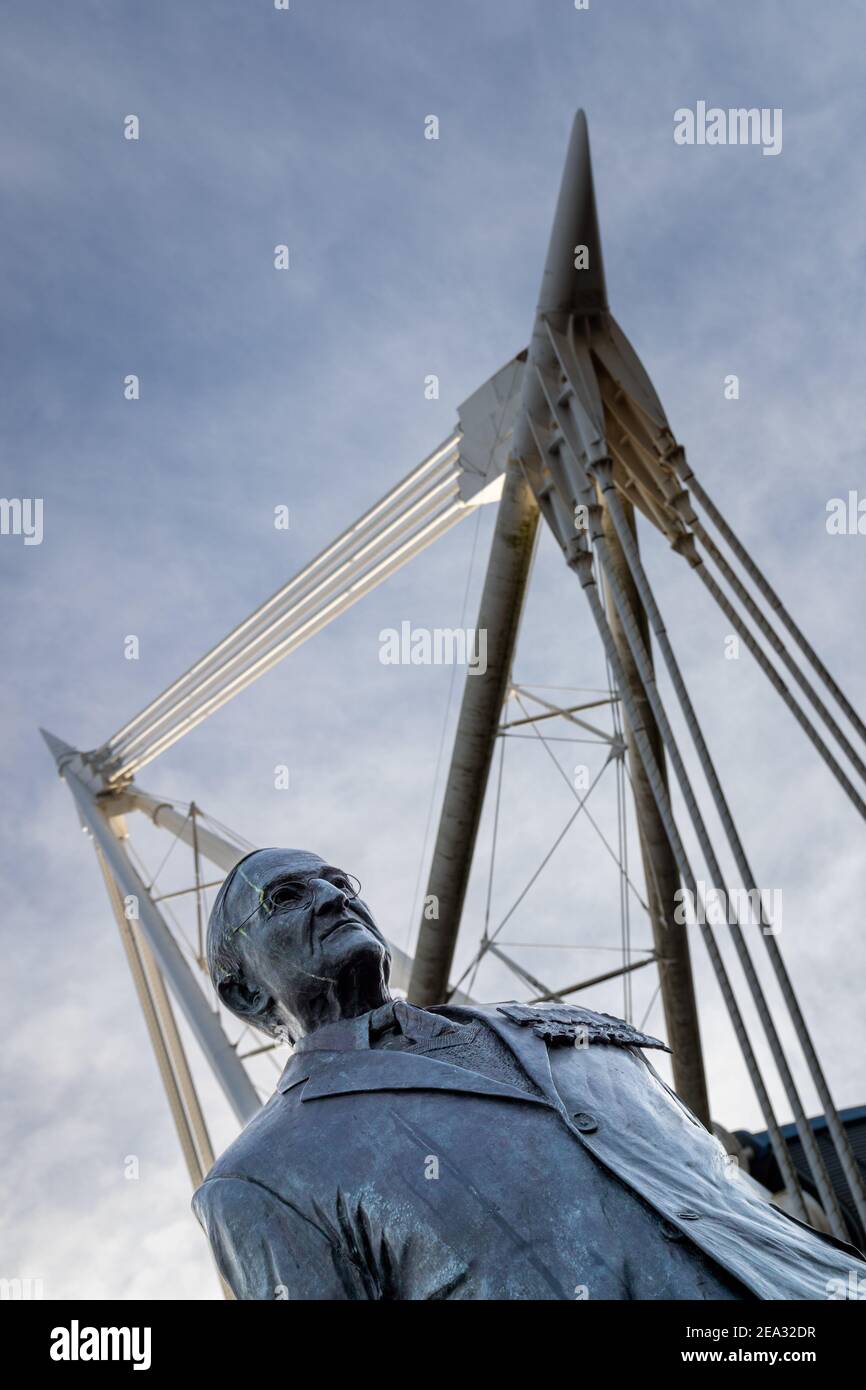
(339, 1060)
(529, 1050)
(335, 1074)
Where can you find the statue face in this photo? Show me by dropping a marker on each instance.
(309, 947)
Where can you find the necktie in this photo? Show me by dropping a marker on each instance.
(416, 1025)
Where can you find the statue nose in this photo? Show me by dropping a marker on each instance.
(329, 893)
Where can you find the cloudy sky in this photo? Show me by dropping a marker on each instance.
(306, 388)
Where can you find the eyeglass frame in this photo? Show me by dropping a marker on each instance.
(308, 897)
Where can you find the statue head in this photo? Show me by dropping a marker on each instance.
(291, 945)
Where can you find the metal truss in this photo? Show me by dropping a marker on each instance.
(572, 431)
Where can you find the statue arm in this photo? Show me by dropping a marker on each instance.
(268, 1249)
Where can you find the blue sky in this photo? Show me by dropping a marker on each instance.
(409, 257)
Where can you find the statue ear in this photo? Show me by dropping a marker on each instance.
(244, 1000)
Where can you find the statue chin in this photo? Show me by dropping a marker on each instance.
(363, 973)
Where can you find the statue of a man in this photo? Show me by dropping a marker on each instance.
(509, 1152)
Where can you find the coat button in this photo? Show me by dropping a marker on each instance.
(670, 1231)
(689, 1215)
(585, 1123)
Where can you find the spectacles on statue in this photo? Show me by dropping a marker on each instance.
(299, 891)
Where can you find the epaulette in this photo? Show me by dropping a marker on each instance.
(566, 1024)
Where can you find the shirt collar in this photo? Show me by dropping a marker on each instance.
(346, 1035)
(354, 1034)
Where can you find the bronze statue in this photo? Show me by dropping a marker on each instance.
(503, 1152)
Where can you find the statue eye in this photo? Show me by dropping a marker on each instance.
(285, 895)
(348, 886)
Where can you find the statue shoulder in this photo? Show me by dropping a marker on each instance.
(565, 1024)
(267, 1146)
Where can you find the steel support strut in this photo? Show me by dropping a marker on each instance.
(474, 740)
(847, 1159)
(743, 555)
(590, 420)
(581, 561)
(573, 284)
(602, 473)
(580, 436)
(204, 1022)
(171, 1061)
(660, 867)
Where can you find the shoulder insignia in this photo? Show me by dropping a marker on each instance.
(564, 1024)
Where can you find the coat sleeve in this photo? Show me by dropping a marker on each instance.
(267, 1249)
